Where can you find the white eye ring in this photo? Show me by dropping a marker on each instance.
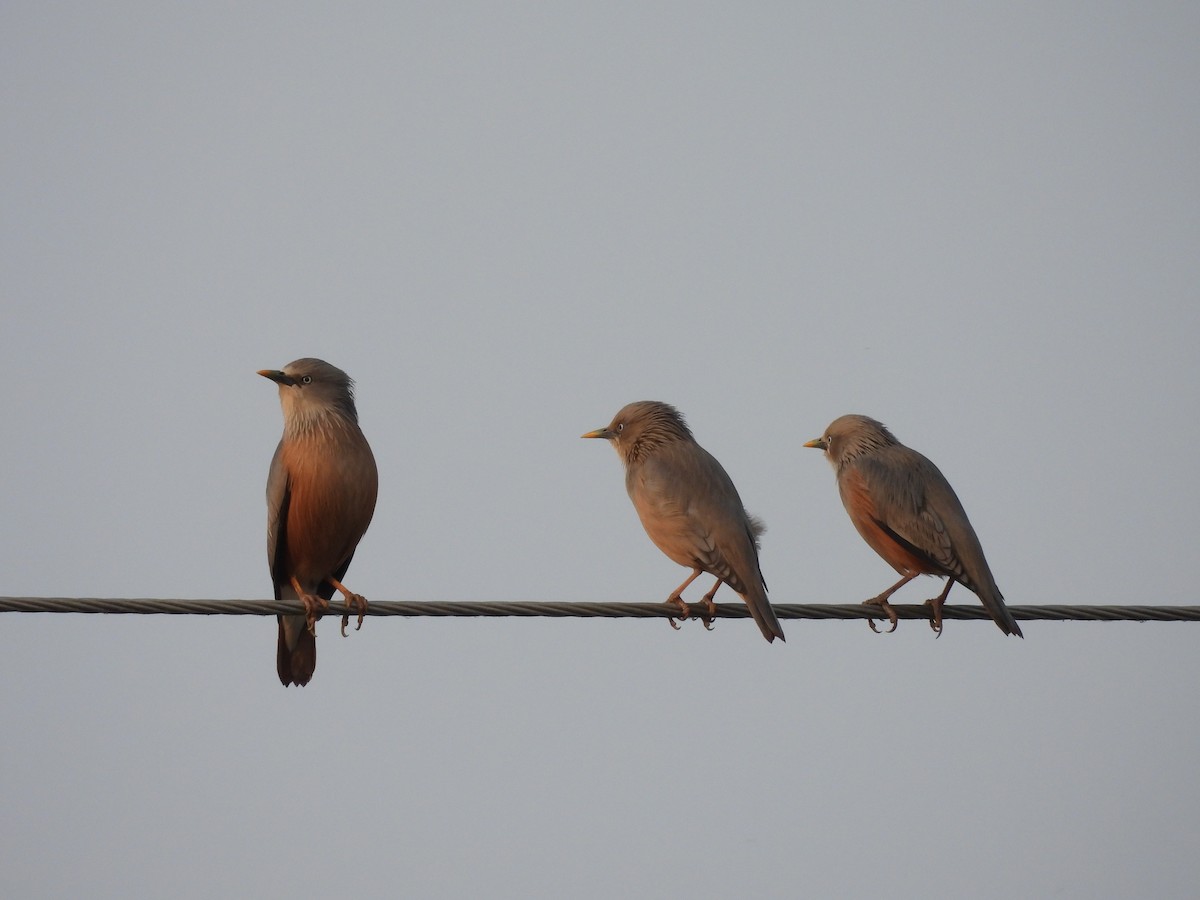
(306, 379)
(620, 427)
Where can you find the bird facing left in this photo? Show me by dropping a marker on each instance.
(321, 494)
(689, 506)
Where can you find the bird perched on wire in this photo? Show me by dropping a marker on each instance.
(689, 506)
(905, 509)
(320, 498)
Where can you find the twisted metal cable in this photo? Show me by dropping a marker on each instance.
(441, 609)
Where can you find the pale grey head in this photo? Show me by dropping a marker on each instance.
(850, 436)
(643, 426)
(311, 390)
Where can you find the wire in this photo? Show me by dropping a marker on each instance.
(530, 610)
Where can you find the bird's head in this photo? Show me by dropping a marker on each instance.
(641, 427)
(850, 436)
(311, 390)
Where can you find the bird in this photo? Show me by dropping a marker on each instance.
(321, 494)
(689, 507)
(906, 511)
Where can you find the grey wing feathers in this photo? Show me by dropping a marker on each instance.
(692, 511)
(912, 500)
(918, 504)
(277, 503)
(915, 502)
(715, 501)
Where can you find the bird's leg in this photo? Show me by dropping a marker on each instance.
(937, 603)
(710, 606)
(676, 597)
(357, 600)
(313, 605)
(882, 602)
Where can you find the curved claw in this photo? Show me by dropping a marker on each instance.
(886, 609)
(359, 602)
(685, 611)
(312, 610)
(935, 622)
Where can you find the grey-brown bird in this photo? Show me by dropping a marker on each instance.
(320, 498)
(689, 506)
(905, 509)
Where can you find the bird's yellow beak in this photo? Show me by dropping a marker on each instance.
(277, 376)
(818, 444)
(599, 433)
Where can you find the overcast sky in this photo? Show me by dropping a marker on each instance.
(976, 222)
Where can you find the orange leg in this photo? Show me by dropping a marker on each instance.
(937, 603)
(882, 602)
(358, 601)
(684, 610)
(710, 606)
(312, 605)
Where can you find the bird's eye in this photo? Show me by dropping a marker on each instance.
(306, 379)
(620, 427)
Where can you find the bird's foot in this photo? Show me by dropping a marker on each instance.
(359, 602)
(935, 621)
(886, 608)
(685, 611)
(711, 610)
(313, 607)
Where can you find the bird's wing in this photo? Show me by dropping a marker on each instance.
(707, 522)
(730, 536)
(278, 498)
(915, 503)
(969, 564)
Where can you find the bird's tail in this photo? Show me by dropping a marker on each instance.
(296, 656)
(764, 616)
(993, 602)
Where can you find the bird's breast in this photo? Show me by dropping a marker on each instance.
(333, 483)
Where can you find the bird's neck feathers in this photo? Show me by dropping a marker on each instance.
(661, 430)
(304, 418)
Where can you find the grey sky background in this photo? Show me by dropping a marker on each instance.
(977, 223)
